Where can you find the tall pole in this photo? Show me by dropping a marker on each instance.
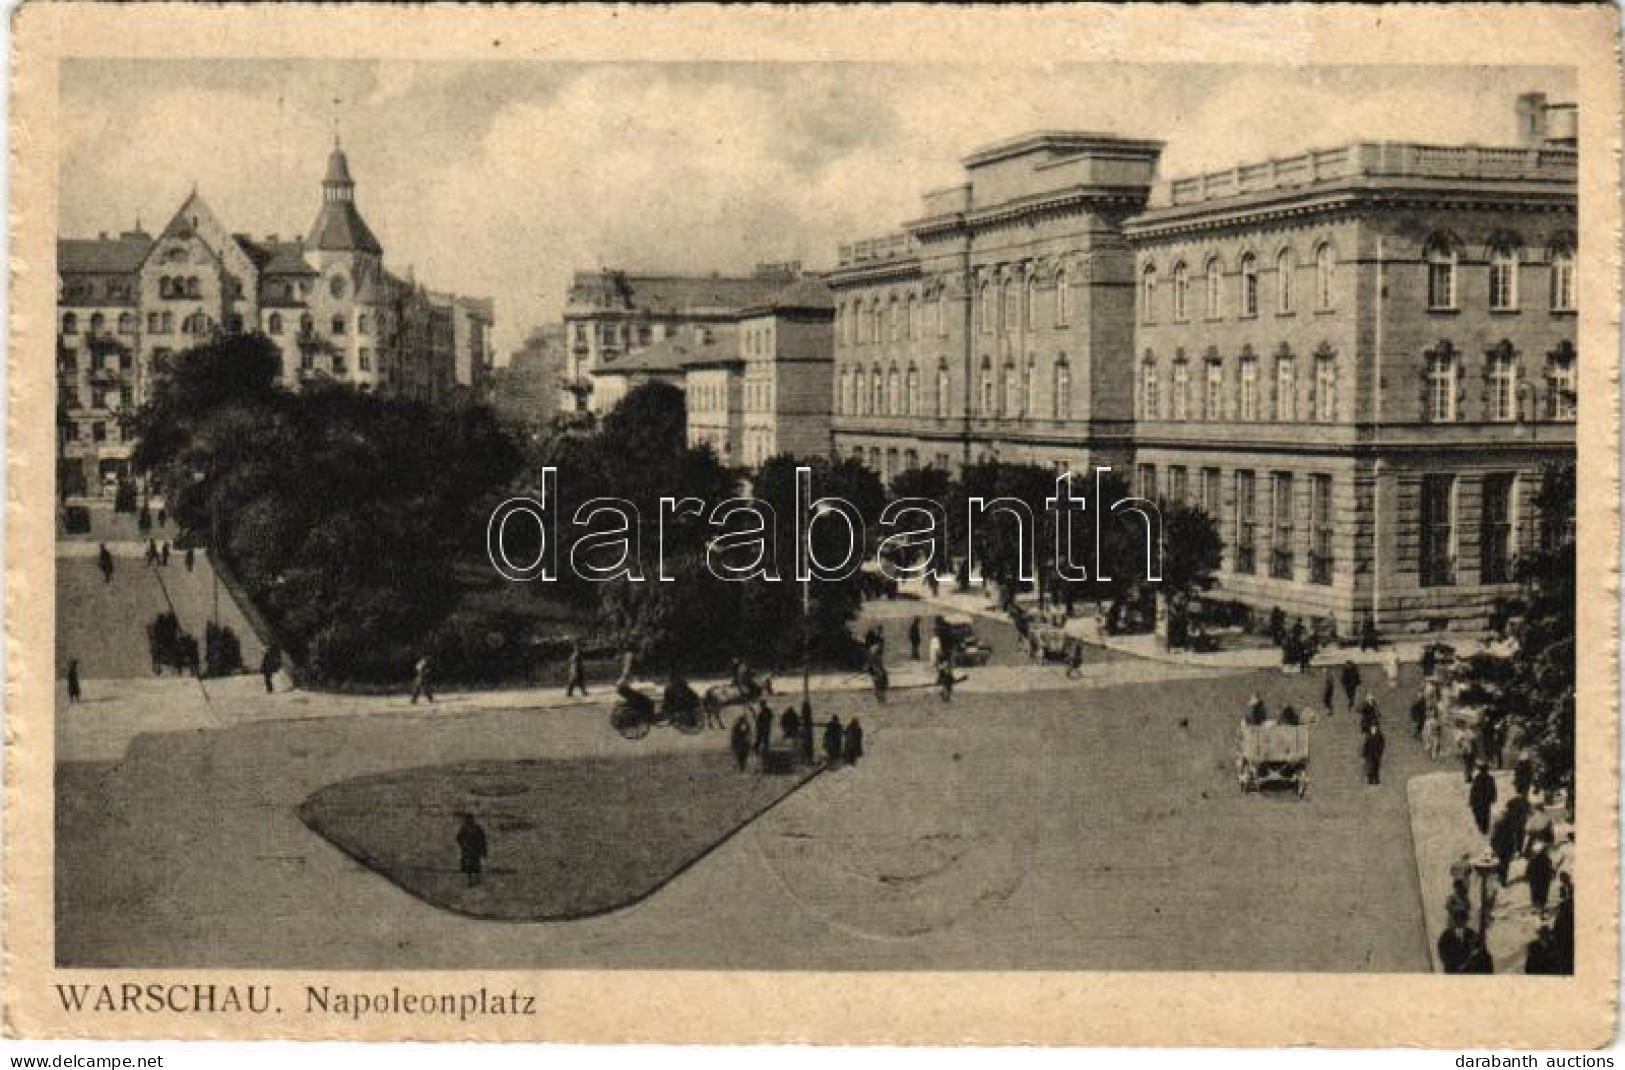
(806, 628)
(214, 555)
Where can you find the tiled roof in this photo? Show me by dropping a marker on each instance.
(808, 294)
(674, 294)
(276, 258)
(339, 228)
(102, 256)
(669, 356)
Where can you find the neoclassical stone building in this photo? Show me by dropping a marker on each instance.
(994, 326)
(1357, 360)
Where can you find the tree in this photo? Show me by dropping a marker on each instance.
(1534, 686)
(1191, 551)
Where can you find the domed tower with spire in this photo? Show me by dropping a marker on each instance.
(349, 260)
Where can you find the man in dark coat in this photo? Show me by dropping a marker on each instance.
(764, 729)
(1480, 797)
(471, 846)
(73, 680)
(790, 725)
(1538, 872)
(1563, 924)
(1371, 750)
(269, 664)
(1462, 951)
(914, 639)
(853, 743)
(191, 558)
(832, 740)
(422, 679)
(1542, 954)
(104, 561)
(152, 552)
(739, 741)
(576, 673)
(1504, 842)
(163, 555)
(1419, 714)
(1256, 713)
(1328, 691)
(1468, 750)
(1351, 682)
(1370, 716)
(1523, 773)
(805, 739)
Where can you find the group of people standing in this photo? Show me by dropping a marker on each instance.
(755, 735)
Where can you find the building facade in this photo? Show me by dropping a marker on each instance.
(1358, 362)
(128, 304)
(787, 361)
(994, 326)
(610, 315)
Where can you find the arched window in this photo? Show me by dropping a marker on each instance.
(1181, 389)
(1214, 278)
(1029, 402)
(988, 311)
(1182, 288)
(877, 394)
(894, 321)
(1012, 312)
(986, 398)
(70, 323)
(1503, 278)
(912, 391)
(1562, 278)
(1325, 263)
(944, 387)
(1502, 374)
(1560, 397)
(1441, 385)
(97, 323)
(1063, 298)
(1283, 281)
(1148, 294)
(1150, 402)
(910, 327)
(363, 324)
(1249, 285)
(338, 324)
(1012, 391)
(1029, 304)
(894, 393)
(1063, 389)
(1212, 389)
(1248, 374)
(274, 323)
(1441, 256)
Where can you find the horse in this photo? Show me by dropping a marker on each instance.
(720, 696)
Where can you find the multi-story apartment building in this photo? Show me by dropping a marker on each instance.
(128, 304)
(1358, 360)
(526, 389)
(995, 325)
(786, 354)
(610, 315)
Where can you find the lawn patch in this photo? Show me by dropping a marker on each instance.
(568, 839)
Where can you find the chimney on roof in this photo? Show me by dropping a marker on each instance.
(1531, 110)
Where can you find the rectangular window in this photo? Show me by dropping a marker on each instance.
(1286, 391)
(1495, 539)
(1210, 493)
(98, 431)
(1560, 401)
(1246, 522)
(1281, 523)
(1562, 282)
(1442, 283)
(1177, 488)
(1249, 390)
(1503, 386)
(1213, 392)
(1182, 391)
(1441, 399)
(1147, 482)
(1503, 283)
(1320, 529)
(1438, 541)
(1325, 390)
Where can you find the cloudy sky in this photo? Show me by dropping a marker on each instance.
(500, 179)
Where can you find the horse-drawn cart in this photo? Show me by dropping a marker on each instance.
(1272, 755)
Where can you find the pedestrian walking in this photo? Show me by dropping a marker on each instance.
(163, 517)
(152, 552)
(191, 558)
(1256, 713)
(833, 737)
(104, 561)
(790, 724)
(576, 672)
(914, 639)
(1074, 659)
(1432, 735)
(1351, 682)
(1372, 751)
(1523, 773)
(852, 743)
(1538, 873)
(945, 680)
(269, 664)
(1467, 751)
(163, 555)
(421, 679)
(1480, 797)
(1419, 716)
(471, 846)
(1370, 715)
(739, 741)
(764, 730)
(73, 680)
(1328, 691)
(1504, 840)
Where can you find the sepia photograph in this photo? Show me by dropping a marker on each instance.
(541, 513)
